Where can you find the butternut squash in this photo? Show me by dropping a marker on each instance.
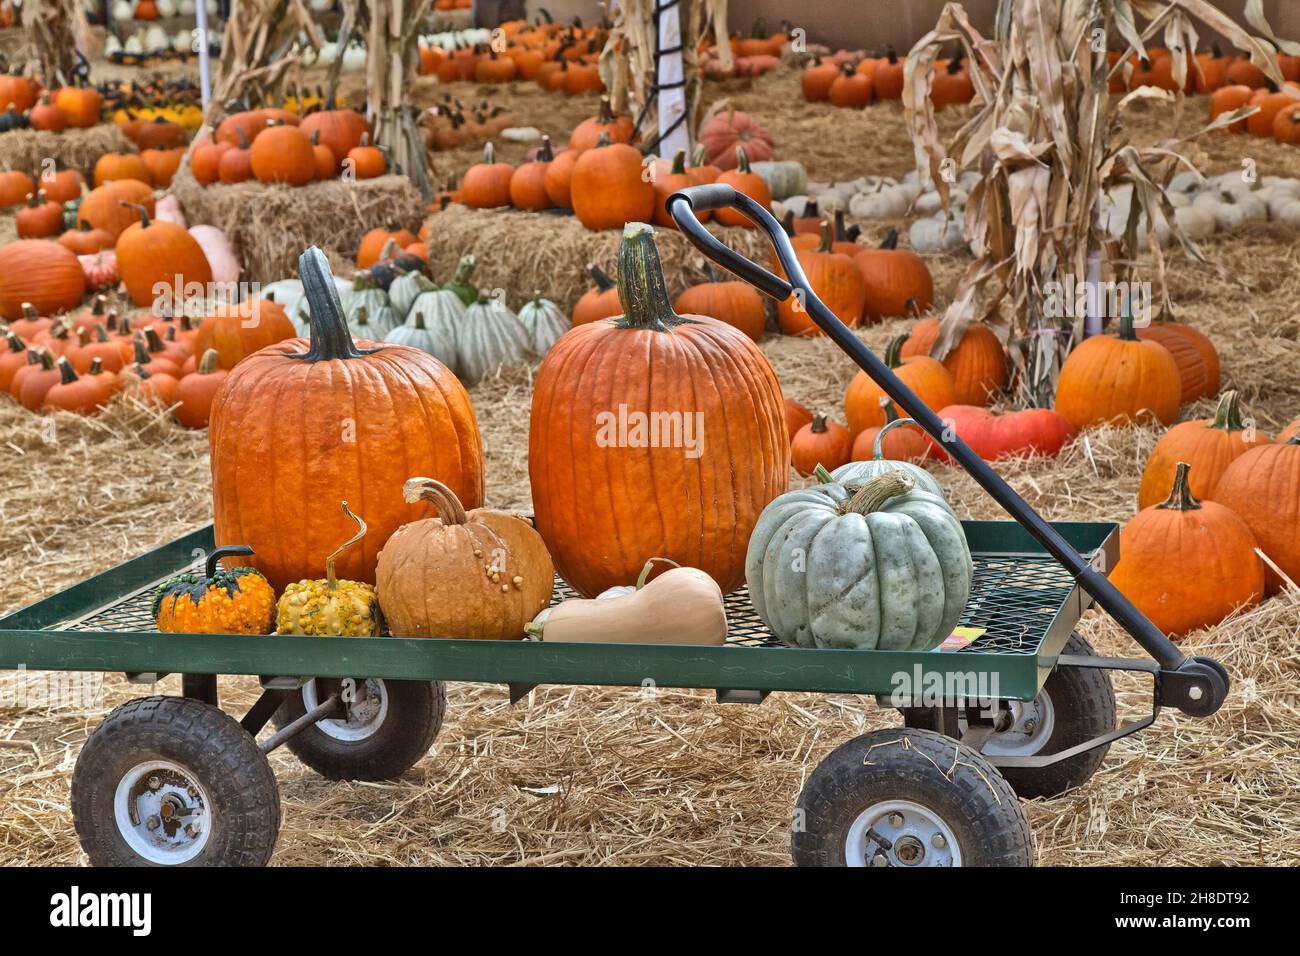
(681, 606)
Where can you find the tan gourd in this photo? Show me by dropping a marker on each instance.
(478, 575)
(681, 606)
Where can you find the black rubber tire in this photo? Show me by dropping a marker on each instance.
(415, 712)
(927, 768)
(1083, 708)
(222, 757)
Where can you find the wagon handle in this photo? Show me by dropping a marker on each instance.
(1195, 685)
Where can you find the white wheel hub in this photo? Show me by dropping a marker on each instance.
(162, 812)
(367, 710)
(1032, 723)
(900, 833)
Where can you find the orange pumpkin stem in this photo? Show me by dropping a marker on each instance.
(1180, 496)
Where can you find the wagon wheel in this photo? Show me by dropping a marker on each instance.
(908, 798)
(171, 781)
(1075, 705)
(389, 725)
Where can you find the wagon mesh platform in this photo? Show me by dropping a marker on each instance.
(1023, 600)
(1013, 597)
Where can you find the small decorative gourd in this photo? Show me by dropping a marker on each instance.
(478, 575)
(885, 567)
(544, 323)
(218, 601)
(491, 337)
(328, 606)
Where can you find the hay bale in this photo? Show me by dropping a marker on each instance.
(526, 251)
(269, 226)
(27, 149)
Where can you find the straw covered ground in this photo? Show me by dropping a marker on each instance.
(591, 775)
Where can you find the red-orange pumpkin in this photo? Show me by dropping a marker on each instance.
(41, 272)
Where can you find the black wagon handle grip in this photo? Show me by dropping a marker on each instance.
(682, 206)
(1201, 685)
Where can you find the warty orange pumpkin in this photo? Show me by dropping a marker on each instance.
(367, 413)
(1187, 564)
(669, 445)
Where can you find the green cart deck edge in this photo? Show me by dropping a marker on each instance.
(39, 637)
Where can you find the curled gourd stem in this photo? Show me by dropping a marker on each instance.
(874, 493)
(1180, 496)
(329, 561)
(645, 571)
(215, 556)
(450, 510)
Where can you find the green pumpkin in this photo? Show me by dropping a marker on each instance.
(855, 473)
(885, 567)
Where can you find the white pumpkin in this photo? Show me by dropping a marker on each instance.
(784, 178)
(405, 289)
(444, 315)
(122, 10)
(491, 337)
(888, 202)
(544, 322)
(1196, 222)
(416, 333)
(936, 234)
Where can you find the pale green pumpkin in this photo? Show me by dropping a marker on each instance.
(885, 567)
(405, 289)
(544, 323)
(416, 333)
(489, 338)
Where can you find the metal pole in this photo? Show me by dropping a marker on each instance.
(205, 81)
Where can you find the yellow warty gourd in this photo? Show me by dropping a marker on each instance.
(329, 607)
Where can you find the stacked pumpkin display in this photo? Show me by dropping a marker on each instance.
(276, 146)
(29, 105)
(855, 80)
(560, 59)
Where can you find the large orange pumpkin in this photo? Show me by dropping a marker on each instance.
(925, 376)
(1188, 564)
(1208, 445)
(41, 272)
(1118, 378)
(1263, 487)
(978, 363)
(237, 331)
(301, 422)
(669, 445)
(160, 262)
(608, 189)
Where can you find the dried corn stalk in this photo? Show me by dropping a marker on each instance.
(1047, 140)
(628, 64)
(392, 29)
(53, 32)
(259, 48)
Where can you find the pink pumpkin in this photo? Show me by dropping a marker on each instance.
(729, 129)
